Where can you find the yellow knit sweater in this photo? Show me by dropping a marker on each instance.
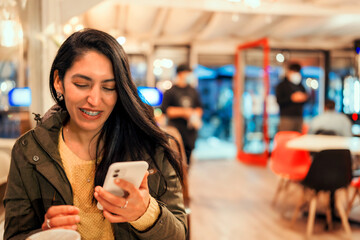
(81, 174)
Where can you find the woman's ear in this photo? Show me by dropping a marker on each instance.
(58, 85)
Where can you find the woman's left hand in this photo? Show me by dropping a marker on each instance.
(124, 209)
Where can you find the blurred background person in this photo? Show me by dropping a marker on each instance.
(224, 113)
(291, 96)
(182, 106)
(331, 122)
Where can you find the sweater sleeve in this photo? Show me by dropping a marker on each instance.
(149, 218)
(171, 223)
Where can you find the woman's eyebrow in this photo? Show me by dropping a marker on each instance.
(81, 76)
(78, 75)
(109, 80)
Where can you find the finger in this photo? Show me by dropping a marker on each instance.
(126, 186)
(114, 218)
(108, 200)
(61, 210)
(71, 227)
(144, 183)
(111, 207)
(61, 221)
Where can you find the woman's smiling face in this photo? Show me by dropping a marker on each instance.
(89, 91)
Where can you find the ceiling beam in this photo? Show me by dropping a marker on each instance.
(71, 8)
(200, 24)
(121, 18)
(280, 7)
(160, 20)
(211, 26)
(228, 46)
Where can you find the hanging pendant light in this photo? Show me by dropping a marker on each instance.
(11, 33)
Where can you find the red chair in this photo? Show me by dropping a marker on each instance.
(356, 184)
(289, 164)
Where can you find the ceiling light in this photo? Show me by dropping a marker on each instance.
(314, 84)
(74, 20)
(11, 33)
(67, 29)
(252, 3)
(79, 27)
(157, 63)
(235, 17)
(167, 63)
(121, 40)
(157, 71)
(280, 58)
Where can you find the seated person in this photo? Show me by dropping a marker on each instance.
(331, 122)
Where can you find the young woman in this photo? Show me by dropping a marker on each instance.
(58, 168)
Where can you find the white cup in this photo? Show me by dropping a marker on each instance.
(56, 234)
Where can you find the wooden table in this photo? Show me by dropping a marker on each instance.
(317, 143)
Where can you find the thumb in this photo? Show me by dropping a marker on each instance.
(144, 183)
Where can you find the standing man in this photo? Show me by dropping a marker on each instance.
(182, 106)
(291, 96)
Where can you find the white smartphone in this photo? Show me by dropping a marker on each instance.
(132, 172)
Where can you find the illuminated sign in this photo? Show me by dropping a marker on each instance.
(20, 97)
(150, 95)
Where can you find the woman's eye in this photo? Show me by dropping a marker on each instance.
(109, 88)
(80, 85)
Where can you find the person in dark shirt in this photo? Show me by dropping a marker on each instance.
(291, 96)
(182, 106)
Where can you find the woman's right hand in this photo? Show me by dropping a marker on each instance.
(62, 216)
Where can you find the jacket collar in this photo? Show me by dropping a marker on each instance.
(46, 135)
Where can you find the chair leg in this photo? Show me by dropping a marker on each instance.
(328, 215)
(343, 216)
(311, 217)
(278, 190)
(351, 202)
(298, 207)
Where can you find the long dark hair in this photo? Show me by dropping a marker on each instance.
(131, 130)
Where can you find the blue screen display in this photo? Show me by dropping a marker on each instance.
(151, 96)
(20, 97)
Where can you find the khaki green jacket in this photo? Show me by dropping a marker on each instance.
(37, 181)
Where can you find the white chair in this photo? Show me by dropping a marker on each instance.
(4, 171)
(1, 230)
(5, 166)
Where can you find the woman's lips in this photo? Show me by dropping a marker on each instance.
(90, 114)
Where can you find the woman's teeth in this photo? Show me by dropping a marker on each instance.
(91, 113)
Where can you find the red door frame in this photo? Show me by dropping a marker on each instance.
(253, 159)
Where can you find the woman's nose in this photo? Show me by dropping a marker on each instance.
(94, 96)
